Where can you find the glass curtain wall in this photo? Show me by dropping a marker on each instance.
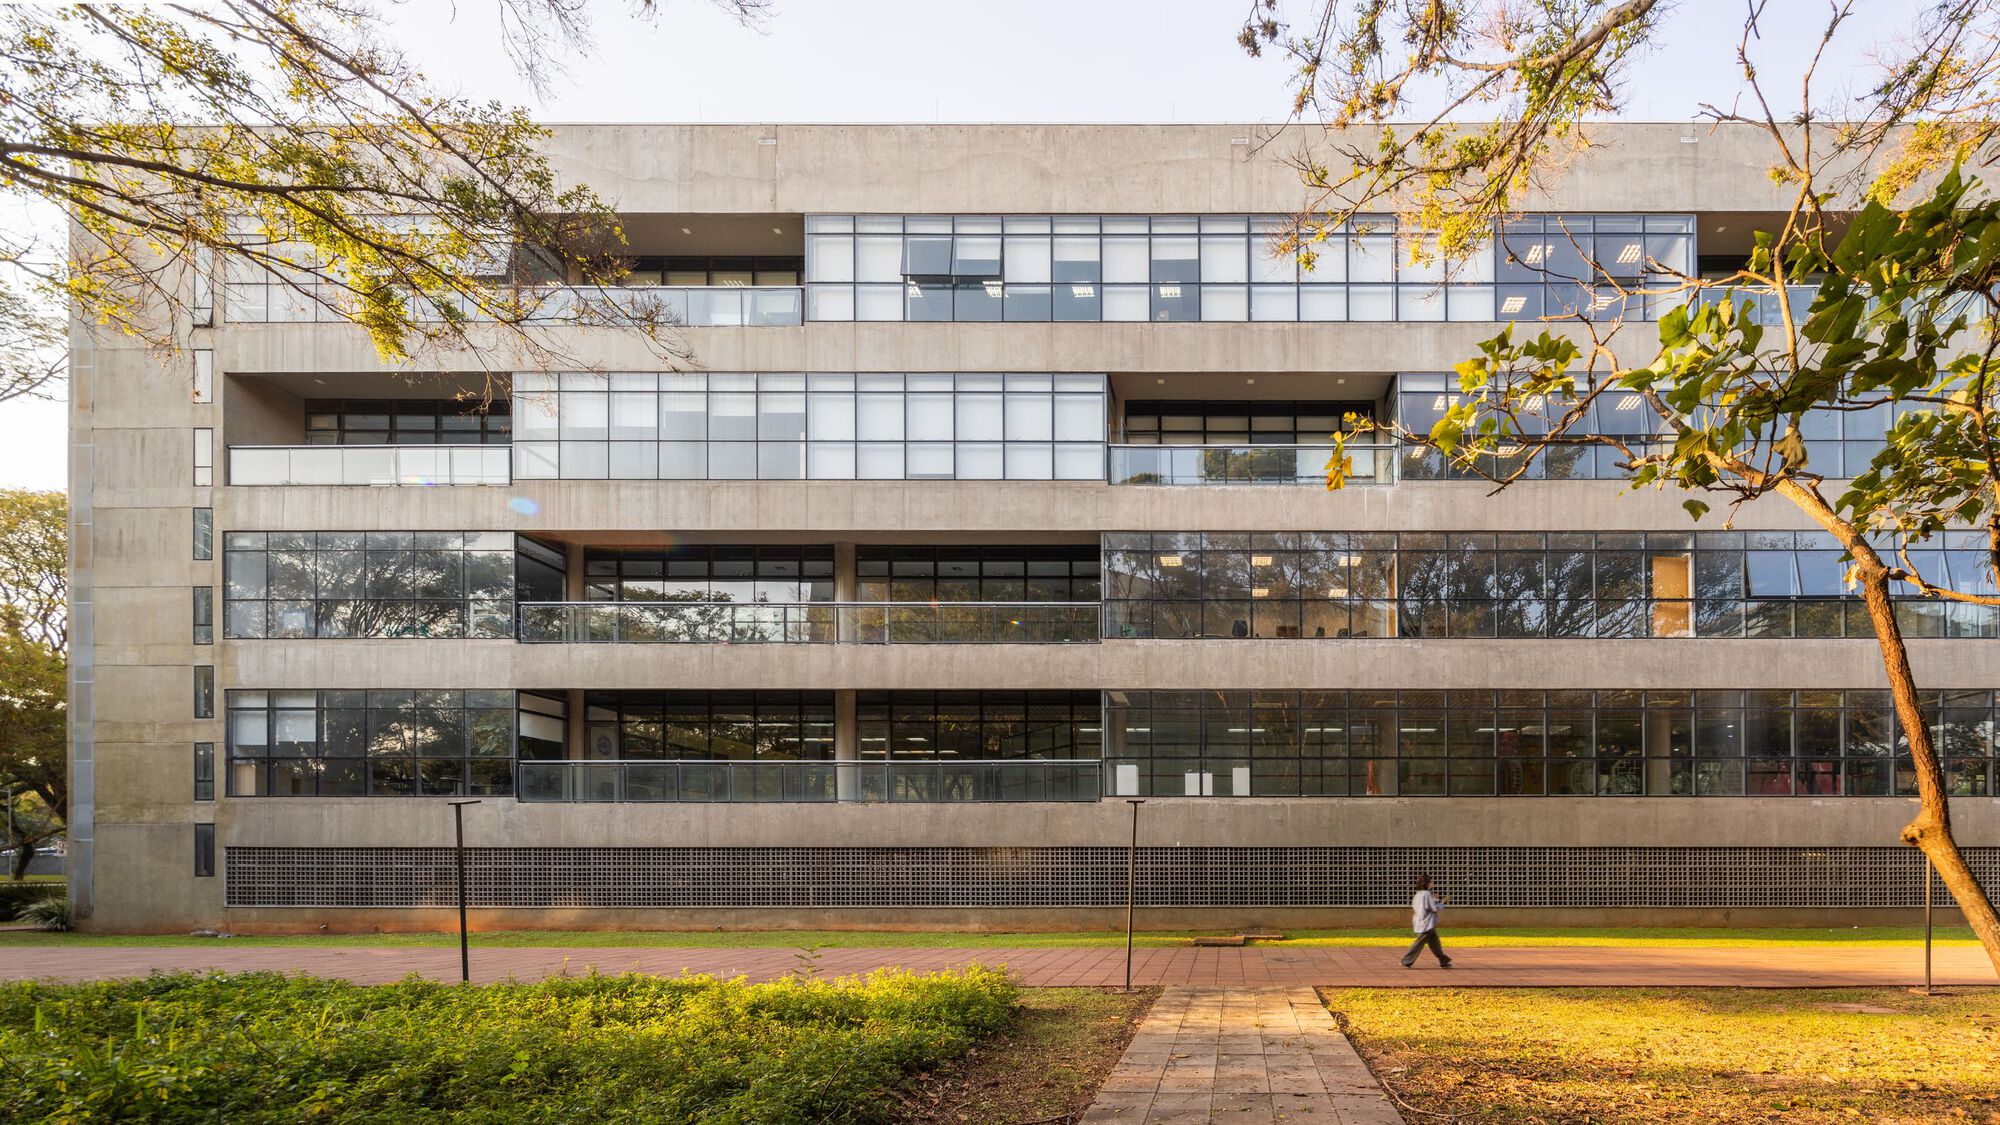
(716, 426)
(370, 743)
(1535, 743)
(1525, 584)
(1838, 443)
(1039, 268)
(297, 584)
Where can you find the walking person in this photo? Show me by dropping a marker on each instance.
(1424, 907)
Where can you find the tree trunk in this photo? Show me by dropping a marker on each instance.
(1930, 832)
(24, 854)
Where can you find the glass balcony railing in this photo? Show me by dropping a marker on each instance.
(696, 306)
(875, 780)
(808, 622)
(1245, 464)
(409, 465)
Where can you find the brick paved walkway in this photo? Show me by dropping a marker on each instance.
(1252, 1055)
(1254, 966)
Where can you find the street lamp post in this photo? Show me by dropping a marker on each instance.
(464, 947)
(1131, 864)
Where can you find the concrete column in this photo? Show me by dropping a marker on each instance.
(846, 740)
(573, 568)
(845, 584)
(574, 734)
(1659, 743)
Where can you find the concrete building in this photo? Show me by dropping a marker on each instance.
(992, 502)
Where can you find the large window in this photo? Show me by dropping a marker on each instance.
(725, 726)
(1839, 443)
(370, 743)
(1055, 573)
(687, 425)
(408, 422)
(1600, 267)
(736, 271)
(368, 584)
(977, 725)
(1536, 743)
(1220, 268)
(704, 573)
(1513, 584)
(1238, 423)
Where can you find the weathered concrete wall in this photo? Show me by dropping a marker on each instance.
(1276, 665)
(1115, 169)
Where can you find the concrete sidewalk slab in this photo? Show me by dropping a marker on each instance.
(1254, 1055)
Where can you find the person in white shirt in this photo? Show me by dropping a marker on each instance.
(1424, 907)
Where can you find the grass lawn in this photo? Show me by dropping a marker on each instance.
(1468, 937)
(1046, 1065)
(1674, 1055)
(267, 1048)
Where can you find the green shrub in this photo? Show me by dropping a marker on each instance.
(16, 896)
(50, 914)
(263, 1047)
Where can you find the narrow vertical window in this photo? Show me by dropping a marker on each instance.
(204, 457)
(204, 376)
(202, 307)
(204, 691)
(204, 771)
(204, 851)
(204, 615)
(204, 534)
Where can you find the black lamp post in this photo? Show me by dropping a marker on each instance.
(1131, 863)
(464, 948)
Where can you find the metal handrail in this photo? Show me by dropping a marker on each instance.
(372, 465)
(876, 780)
(1247, 463)
(697, 306)
(723, 622)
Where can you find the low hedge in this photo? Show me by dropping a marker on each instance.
(263, 1047)
(14, 896)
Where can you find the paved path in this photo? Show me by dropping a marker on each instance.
(1254, 966)
(1253, 1055)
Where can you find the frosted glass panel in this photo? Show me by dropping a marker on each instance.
(880, 417)
(743, 426)
(1029, 418)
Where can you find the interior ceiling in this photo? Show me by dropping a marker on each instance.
(376, 384)
(681, 234)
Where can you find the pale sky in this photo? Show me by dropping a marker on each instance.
(954, 61)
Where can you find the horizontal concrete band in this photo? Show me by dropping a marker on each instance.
(1199, 665)
(1078, 877)
(863, 511)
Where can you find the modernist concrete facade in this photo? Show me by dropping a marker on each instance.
(959, 757)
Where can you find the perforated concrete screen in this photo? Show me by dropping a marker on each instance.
(1084, 877)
